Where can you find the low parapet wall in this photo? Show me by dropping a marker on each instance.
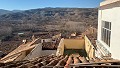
(60, 49)
(90, 50)
(69, 44)
(84, 44)
(74, 43)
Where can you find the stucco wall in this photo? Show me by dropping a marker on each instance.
(70, 44)
(111, 15)
(74, 44)
(60, 49)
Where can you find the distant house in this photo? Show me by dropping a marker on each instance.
(108, 39)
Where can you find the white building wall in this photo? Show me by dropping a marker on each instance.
(99, 25)
(111, 15)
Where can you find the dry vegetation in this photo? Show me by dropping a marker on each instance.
(34, 21)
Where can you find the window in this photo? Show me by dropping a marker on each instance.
(106, 32)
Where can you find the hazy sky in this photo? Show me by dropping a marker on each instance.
(32, 4)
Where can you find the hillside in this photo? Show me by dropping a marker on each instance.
(2, 11)
(46, 15)
(40, 20)
(49, 16)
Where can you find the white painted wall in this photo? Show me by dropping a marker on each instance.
(111, 15)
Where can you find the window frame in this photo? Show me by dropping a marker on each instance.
(106, 32)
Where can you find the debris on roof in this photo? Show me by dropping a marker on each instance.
(52, 61)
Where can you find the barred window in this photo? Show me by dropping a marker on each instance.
(106, 32)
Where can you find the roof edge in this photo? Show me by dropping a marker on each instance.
(106, 2)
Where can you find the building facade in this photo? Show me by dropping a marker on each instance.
(108, 39)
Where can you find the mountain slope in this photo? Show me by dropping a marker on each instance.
(53, 17)
(2, 11)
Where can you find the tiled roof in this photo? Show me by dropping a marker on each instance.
(15, 53)
(52, 61)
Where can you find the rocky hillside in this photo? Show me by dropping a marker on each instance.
(47, 15)
(49, 18)
(59, 17)
(2, 11)
(35, 21)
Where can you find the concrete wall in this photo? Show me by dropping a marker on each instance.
(60, 49)
(89, 48)
(111, 15)
(74, 43)
(70, 44)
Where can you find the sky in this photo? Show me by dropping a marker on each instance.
(33, 4)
